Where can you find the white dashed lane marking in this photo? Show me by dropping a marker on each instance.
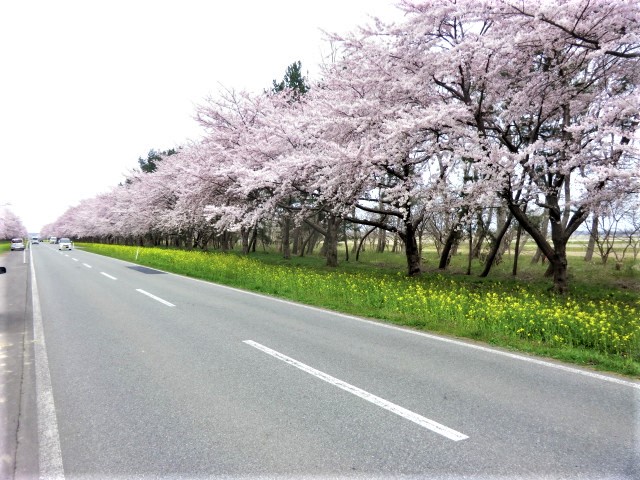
(158, 299)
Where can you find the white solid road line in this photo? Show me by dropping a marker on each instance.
(49, 452)
(168, 304)
(381, 402)
(108, 276)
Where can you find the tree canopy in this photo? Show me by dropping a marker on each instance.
(465, 106)
(11, 225)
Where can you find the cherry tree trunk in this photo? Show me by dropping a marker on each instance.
(244, 232)
(516, 251)
(544, 228)
(452, 239)
(558, 268)
(382, 240)
(476, 247)
(254, 239)
(496, 246)
(361, 243)
(286, 229)
(411, 250)
(331, 241)
(556, 253)
(592, 239)
(559, 259)
(297, 240)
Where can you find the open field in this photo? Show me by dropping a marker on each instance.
(598, 324)
(577, 246)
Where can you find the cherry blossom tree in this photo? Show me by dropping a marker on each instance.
(228, 165)
(376, 165)
(541, 98)
(11, 225)
(260, 148)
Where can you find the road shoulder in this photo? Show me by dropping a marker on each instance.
(18, 436)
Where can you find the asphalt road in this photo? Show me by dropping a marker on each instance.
(143, 374)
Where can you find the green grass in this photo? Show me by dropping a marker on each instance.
(597, 325)
(5, 246)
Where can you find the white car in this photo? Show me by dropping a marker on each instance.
(17, 244)
(65, 244)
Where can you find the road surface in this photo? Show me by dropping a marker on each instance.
(135, 373)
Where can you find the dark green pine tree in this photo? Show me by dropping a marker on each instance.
(293, 80)
(149, 164)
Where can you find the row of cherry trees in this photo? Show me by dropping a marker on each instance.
(463, 108)
(11, 225)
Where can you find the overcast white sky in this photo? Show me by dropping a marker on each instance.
(87, 87)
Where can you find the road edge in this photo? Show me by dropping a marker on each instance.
(49, 451)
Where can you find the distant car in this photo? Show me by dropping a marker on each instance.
(52, 239)
(35, 240)
(65, 244)
(17, 244)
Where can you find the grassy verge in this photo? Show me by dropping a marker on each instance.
(5, 246)
(596, 325)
